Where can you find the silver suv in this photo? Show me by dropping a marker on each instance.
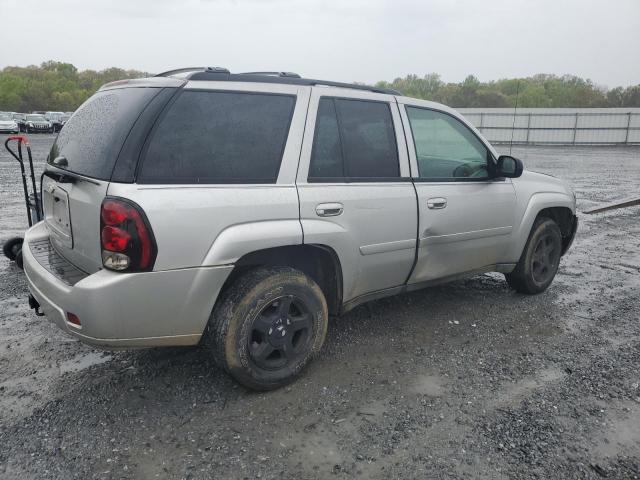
(242, 210)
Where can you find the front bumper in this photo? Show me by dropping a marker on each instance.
(126, 310)
(39, 128)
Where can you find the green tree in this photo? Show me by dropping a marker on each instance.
(53, 86)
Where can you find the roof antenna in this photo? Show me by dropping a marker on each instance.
(515, 110)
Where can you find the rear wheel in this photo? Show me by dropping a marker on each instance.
(19, 261)
(540, 259)
(11, 247)
(267, 326)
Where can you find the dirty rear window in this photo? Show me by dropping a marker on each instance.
(93, 137)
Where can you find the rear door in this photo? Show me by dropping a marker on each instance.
(354, 187)
(79, 169)
(466, 215)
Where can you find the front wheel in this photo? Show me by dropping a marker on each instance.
(540, 259)
(267, 326)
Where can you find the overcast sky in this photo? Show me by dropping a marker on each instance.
(349, 40)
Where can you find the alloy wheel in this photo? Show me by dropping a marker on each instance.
(545, 258)
(280, 333)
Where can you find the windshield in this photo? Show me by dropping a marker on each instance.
(36, 118)
(4, 118)
(18, 116)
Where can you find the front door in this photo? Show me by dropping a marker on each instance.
(466, 215)
(355, 192)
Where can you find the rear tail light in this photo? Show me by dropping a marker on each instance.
(125, 236)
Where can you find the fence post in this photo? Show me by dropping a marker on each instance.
(626, 138)
(528, 127)
(481, 121)
(575, 128)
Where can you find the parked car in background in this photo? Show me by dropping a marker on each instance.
(21, 120)
(243, 210)
(38, 124)
(64, 119)
(8, 124)
(56, 119)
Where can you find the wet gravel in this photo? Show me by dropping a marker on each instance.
(466, 380)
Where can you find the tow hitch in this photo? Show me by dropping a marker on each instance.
(35, 306)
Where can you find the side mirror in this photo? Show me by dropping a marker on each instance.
(509, 167)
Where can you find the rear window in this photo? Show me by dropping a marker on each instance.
(93, 137)
(219, 137)
(354, 141)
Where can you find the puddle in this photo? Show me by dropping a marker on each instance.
(623, 433)
(516, 391)
(430, 385)
(86, 360)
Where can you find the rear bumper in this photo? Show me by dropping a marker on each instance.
(127, 310)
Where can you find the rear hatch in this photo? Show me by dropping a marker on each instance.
(81, 164)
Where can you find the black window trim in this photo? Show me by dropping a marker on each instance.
(119, 166)
(345, 178)
(229, 181)
(491, 160)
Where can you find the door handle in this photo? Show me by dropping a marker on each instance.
(329, 209)
(436, 203)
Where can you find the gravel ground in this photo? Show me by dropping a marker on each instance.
(467, 380)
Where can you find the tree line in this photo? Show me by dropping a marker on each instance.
(53, 86)
(62, 87)
(538, 91)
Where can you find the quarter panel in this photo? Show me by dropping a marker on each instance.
(187, 219)
(238, 240)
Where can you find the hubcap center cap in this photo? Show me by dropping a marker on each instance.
(278, 329)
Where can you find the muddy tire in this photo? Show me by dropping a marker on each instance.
(19, 261)
(11, 247)
(266, 327)
(540, 259)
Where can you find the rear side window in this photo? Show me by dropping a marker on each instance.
(219, 137)
(354, 140)
(93, 136)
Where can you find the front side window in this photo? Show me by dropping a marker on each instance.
(445, 148)
(219, 137)
(354, 140)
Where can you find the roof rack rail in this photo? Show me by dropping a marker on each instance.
(276, 74)
(220, 74)
(177, 71)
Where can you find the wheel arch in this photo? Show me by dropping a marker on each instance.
(557, 206)
(564, 218)
(319, 262)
